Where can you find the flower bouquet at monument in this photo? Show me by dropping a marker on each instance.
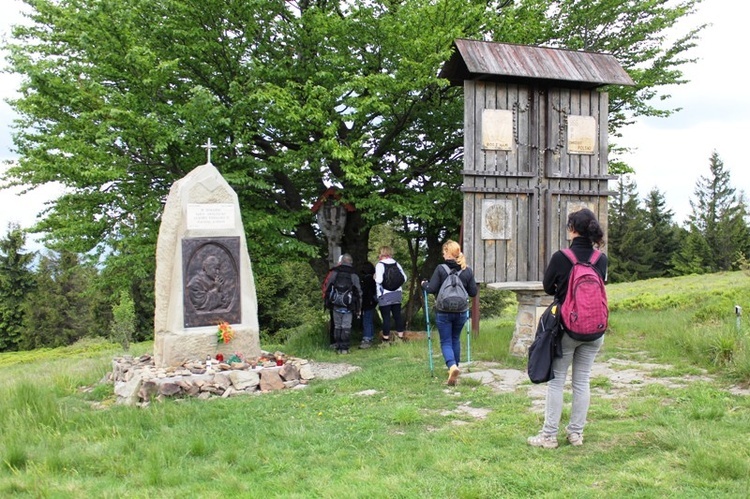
(225, 332)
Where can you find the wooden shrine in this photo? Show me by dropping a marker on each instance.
(535, 150)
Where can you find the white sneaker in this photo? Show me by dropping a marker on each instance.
(543, 441)
(575, 439)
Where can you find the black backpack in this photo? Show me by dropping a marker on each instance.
(342, 294)
(392, 277)
(546, 346)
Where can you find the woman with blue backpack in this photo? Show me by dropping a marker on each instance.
(453, 283)
(583, 320)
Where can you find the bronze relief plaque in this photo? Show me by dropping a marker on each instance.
(211, 281)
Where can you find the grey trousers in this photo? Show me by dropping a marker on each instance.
(581, 354)
(342, 322)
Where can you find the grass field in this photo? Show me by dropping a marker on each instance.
(405, 439)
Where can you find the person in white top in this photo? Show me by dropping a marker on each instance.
(389, 300)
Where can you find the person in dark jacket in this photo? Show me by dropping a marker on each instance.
(342, 315)
(450, 324)
(585, 232)
(369, 302)
(323, 292)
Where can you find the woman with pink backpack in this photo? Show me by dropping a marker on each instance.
(579, 349)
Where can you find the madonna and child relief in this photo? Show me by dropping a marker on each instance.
(497, 219)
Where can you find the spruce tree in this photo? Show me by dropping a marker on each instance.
(662, 234)
(719, 217)
(59, 311)
(629, 250)
(693, 255)
(16, 281)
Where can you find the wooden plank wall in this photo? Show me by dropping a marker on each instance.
(540, 178)
(493, 174)
(573, 180)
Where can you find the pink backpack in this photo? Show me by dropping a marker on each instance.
(585, 309)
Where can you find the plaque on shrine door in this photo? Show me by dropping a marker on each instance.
(497, 219)
(497, 129)
(581, 134)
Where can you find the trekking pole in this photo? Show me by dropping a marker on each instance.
(429, 334)
(468, 336)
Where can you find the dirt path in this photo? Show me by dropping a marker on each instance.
(622, 376)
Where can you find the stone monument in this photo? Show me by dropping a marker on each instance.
(203, 272)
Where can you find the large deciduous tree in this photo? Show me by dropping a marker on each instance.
(118, 95)
(639, 35)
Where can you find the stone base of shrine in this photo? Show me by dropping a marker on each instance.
(532, 301)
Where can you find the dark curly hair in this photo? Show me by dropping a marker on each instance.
(585, 223)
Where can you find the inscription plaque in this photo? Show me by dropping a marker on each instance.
(211, 281)
(497, 129)
(581, 134)
(210, 216)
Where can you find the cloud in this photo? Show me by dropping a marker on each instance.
(673, 159)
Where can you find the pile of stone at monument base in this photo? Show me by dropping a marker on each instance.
(138, 381)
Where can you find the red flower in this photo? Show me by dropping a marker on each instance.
(219, 357)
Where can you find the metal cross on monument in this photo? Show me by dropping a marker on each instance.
(208, 146)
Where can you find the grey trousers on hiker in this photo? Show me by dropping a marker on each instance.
(581, 354)
(342, 323)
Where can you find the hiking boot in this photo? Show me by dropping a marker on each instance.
(401, 336)
(543, 441)
(575, 439)
(453, 373)
(365, 344)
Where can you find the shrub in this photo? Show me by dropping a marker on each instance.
(493, 302)
(288, 297)
(122, 328)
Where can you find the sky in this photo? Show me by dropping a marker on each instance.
(669, 154)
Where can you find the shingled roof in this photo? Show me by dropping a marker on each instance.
(479, 60)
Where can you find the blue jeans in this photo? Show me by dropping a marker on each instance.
(368, 328)
(581, 354)
(449, 326)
